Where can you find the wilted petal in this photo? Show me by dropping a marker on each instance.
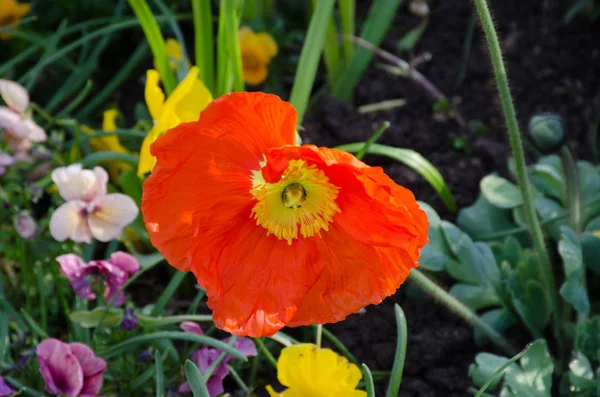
(59, 368)
(116, 277)
(73, 182)
(191, 327)
(5, 389)
(26, 226)
(70, 221)
(15, 95)
(125, 262)
(110, 214)
(77, 271)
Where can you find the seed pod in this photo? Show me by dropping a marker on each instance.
(547, 132)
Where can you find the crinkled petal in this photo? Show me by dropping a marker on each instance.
(110, 214)
(77, 271)
(310, 371)
(212, 169)
(73, 182)
(14, 95)
(59, 368)
(69, 221)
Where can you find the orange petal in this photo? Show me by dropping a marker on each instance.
(209, 162)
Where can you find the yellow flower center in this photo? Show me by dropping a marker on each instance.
(302, 202)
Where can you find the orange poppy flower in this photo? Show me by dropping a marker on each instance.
(278, 235)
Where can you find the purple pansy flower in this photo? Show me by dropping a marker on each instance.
(205, 356)
(70, 369)
(130, 319)
(116, 271)
(5, 389)
(26, 226)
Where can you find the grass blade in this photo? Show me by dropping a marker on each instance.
(194, 378)
(413, 160)
(309, 56)
(500, 370)
(401, 339)
(347, 16)
(372, 139)
(160, 376)
(172, 335)
(176, 30)
(203, 42)
(379, 20)
(156, 41)
(165, 297)
(33, 325)
(232, 23)
(99, 157)
(331, 50)
(369, 385)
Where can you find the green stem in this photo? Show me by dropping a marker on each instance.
(516, 143)
(263, 349)
(319, 335)
(459, 308)
(573, 188)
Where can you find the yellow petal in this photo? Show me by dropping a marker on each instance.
(310, 371)
(147, 161)
(268, 44)
(273, 393)
(255, 75)
(189, 98)
(173, 49)
(109, 119)
(155, 97)
(11, 12)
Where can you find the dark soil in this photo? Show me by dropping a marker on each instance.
(552, 68)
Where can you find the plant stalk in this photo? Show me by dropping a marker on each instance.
(459, 308)
(517, 148)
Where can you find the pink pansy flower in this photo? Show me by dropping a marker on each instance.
(89, 211)
(205, 356)
(20, 130)
(70, 369)
(5, 389)
(116, 272)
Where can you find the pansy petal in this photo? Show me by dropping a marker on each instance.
(154, 96)
(8, 119)
(92, 386)
(5, 389)
(14, 95)
(109, 120)
(77, 271)
(125, 262)
(90, 364)
(211, 168)
(73, 182)
(246, 346)
(69, 221)
(191, 327)
(29, 129)
(189, 98)
(268, 44)
(256, 74)
(110, 214)
(59, 368)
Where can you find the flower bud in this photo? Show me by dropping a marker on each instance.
(547, 132)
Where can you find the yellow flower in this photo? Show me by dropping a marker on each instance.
(185, 103)
(174, 54)
(109, 143)
(11, 11)
(308, 371)
(257, 51)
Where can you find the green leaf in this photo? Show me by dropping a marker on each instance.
(400, 356)
(411, 159)
(499, 319)
(534, 377)
(590, 247)
(474, 296)
(131, 185)
(369, 385)
(160, 376)
(436, 254)
(484, 367)
(500, 192)
(483, 218)
(548, 208)
(194, 378)
(588, 337)
(549, 181)
(574, 292)
(581, 374)
(92, 318)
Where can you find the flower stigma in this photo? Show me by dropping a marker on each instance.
(301, 203)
